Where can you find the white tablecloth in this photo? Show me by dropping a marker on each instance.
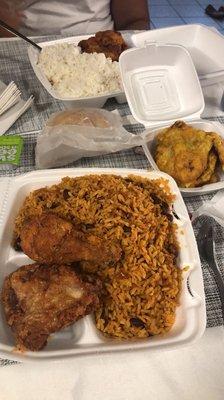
(195, 372)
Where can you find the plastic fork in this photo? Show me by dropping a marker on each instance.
(9, 97)
(206, 247)
(25, 107)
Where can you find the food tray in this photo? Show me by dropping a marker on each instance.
(162, 86)
(83, 338)
(97, 101)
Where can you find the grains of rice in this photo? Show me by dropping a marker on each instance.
(141, 291)
(79, 75)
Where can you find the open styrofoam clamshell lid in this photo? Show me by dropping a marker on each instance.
(161, 84)
(204, 43)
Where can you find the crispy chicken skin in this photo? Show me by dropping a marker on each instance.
(39, 300)
(189, 155)
(108, 42)
(50, 239)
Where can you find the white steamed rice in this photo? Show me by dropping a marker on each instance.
(75, 74)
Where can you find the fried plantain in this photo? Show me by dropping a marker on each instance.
(189, 155)
(208, 173)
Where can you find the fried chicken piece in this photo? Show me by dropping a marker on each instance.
(39, 300)
(112, 52)
(50, 239)
(90, 45)
(189, 155)
(110, 43)
(107, 38)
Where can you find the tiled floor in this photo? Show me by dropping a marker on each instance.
(178, 12)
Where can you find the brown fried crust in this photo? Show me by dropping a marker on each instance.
(50, 239)
(39, 300)
(108, 42)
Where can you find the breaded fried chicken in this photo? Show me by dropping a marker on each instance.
(109, 42)
(39, 300)
(50, 239)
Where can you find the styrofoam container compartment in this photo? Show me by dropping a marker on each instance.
(162, 86)
(205, 45)
(207, 126)
(83, 338)
(97, 101)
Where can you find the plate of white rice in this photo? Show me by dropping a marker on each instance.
(72, 76)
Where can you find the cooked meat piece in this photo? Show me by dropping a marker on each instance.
(106, 38)
(108, 42)
(189, 155)
(90, 45)
(50, 239)
(39, 300)
(90, 267)
(112, 52)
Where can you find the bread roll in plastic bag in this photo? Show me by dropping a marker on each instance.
(81, 132)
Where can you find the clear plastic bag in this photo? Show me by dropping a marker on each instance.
(85, 132)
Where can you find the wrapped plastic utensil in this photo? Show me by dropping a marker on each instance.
(213, 208)
(9, 97)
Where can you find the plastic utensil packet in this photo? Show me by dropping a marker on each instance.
(213, 208)
(10, 151)
(86, 132)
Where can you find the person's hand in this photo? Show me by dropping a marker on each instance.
(11, 14)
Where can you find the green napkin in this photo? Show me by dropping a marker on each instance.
(10, 151)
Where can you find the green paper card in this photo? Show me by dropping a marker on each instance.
(10, 150)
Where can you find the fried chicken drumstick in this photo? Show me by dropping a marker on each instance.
(50, 239)
(39, 300)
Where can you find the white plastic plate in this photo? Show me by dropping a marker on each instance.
(205, 125)
(83, 337)
(97, 101)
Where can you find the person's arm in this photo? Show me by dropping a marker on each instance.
(130, 14)
(9, 13)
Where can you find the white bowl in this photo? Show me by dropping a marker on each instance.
(83, 338)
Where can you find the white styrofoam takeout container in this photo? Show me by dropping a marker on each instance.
(162, 86)
(205, 45)
(83, 338)
(97, 101)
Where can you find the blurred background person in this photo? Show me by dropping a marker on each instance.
(46, 17)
